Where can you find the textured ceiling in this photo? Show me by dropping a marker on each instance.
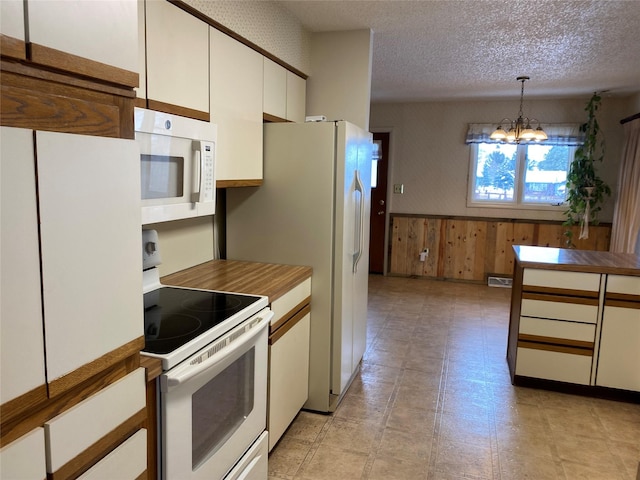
(452, 49)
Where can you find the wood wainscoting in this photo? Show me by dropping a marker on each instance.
(473, 248)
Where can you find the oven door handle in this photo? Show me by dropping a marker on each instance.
(217, 352)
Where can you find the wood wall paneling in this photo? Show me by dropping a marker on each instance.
(471, 249)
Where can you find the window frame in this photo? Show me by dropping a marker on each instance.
(518, 189)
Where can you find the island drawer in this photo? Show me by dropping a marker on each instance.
(563, 281)
(557, 331)
(626, 285)
(576, 309)
(554, 365)
(289, 303)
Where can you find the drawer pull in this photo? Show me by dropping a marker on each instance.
(547, 297)
(553, 344)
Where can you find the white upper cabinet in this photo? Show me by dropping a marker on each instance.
(89, 198)
(141, 91)
(105, 32)
(177, 56)
(12, 28)
(22, 349)
(275, 89)
(296, 97)
(284, 92)
(236, 107)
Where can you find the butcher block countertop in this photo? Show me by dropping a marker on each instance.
(236, 276)
(577, 260)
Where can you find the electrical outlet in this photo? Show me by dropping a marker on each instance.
(398, 188)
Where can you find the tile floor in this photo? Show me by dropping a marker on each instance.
(433, 400)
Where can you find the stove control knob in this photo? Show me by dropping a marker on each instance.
(150, 248)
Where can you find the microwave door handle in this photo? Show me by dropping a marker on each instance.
(198, 178)
(197, 174)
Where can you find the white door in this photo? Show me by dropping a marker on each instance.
(89, 198)
(106, 32)
(352, 242)
(361, 276)
(21, 348)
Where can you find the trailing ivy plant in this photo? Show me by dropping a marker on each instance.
(583, 173)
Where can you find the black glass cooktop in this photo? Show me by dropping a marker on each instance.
(174, 316)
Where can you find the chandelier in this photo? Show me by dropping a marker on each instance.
(519, 130)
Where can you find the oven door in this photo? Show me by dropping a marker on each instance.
(213, 405)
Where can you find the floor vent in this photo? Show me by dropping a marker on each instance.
(500, 282)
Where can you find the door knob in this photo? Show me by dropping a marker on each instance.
(381, 202)
(381, 212)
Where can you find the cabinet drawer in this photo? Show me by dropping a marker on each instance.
(624, 284)
(557, 330)
(25, 457)
(75, 430)
(562, 367)
(289, 303)
(561, 280)
(561, 309)
(128, 461)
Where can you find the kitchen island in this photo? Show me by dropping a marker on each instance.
(575, 321)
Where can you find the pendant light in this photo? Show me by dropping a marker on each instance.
(519, 130)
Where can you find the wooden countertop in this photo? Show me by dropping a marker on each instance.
(577, 260)
(268, 279)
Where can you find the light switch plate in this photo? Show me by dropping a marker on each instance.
(398, 188)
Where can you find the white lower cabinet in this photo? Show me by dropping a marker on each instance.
(550, 365)
(289, 380)
(127, 461)
(24, 459)
(619, 359)
(75, 430)
(619, 356)
(288, 359)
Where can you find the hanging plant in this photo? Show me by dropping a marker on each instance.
(586, 191)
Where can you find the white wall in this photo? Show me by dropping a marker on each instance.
(339, 83)
(265, 24)
(428, 154)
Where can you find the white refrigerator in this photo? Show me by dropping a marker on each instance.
(313, 209)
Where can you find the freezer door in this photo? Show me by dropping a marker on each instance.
(353, 198)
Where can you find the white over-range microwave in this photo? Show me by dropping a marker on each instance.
(177, 166)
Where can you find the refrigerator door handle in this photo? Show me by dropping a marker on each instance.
(359, 187)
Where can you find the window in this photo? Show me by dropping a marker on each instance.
(531, 175)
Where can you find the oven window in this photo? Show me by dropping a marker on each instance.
(161, 176)
(220, 407)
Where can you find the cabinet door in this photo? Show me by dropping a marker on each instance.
(87, 423)
(24, 458)
(288, 378)
(22, 349)
(275, 89)
(105, 32)
(126, 461)
(89, 198)
(12, 29)
(236, 107)
(141, 91)
(296, 97)
(619, 353)
(177, 60)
